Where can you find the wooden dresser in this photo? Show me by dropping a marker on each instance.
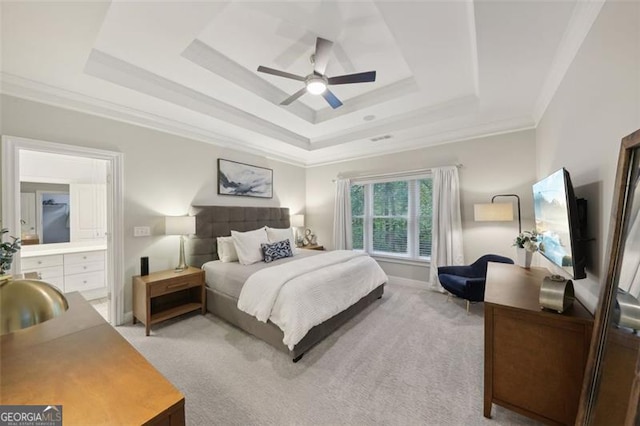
(534, 359)
(79, 361)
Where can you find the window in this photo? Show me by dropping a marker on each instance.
(393, 218)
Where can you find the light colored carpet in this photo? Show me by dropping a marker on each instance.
(410, 358)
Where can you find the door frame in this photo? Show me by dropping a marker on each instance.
(11, 147)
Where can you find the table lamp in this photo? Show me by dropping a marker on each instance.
(180, 225)
(297, 221)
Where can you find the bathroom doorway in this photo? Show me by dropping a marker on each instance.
(90, 212)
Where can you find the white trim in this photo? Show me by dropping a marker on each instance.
(11, 146)
(473, 43)
(409, 282)
(127, 318)
(38, 92)
(401, 260)
(23, 88)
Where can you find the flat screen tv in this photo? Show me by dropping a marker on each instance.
(560, 221)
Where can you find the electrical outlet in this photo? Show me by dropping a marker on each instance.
(141, 231)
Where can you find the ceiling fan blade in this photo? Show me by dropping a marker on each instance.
(331, 99)
(280, 73)
(294, 96)
(361, 77)
(321, 57)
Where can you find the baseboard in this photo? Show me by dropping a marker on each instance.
(409, 282)
(128, 317)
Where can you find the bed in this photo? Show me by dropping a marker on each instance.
(222, 294)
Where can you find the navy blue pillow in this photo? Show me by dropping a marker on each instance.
(275, 251)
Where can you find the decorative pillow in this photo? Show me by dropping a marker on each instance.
(276, 250)
(227, 249)
(248, 245)
(279, 234)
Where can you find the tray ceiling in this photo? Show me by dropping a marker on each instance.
(445, 70)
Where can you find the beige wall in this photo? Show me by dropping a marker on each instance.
(597, 103)
(493, 165)
(163, 174)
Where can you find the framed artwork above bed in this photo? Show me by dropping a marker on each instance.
(244, 179)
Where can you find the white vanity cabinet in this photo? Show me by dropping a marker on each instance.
(50, 268)
(79, 271)
(84, 271)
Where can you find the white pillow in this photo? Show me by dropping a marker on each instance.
(280, 234)
(248, 245)
(227, 249)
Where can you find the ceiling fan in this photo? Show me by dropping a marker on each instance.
(316, 83)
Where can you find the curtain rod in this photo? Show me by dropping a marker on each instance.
(408, 172)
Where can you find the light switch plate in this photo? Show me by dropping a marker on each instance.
(141, 231)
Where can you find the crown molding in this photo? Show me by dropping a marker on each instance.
(430, 114)
(109, 68)
(584, 15)
(429, 139)
(473, 43)
(19, 87)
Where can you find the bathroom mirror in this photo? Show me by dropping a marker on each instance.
(45, 210)
(611, 389)
(63, 199)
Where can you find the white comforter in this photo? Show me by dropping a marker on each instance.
(301, 294)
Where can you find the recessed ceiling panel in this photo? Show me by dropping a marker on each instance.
(283, 35)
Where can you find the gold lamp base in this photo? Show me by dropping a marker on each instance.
(182, 265)
(25, 303)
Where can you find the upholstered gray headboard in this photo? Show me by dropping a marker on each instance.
(219, 221)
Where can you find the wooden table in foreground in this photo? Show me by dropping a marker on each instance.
(534, 359)
(79, 361)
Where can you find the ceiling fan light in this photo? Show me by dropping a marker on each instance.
(316, 87)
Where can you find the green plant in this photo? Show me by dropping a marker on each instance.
(7, 250)
(527, 240)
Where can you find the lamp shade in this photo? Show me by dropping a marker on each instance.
(297, 220)
(493, 212)
(180, 225)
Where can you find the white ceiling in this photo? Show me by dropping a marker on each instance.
(446, 70)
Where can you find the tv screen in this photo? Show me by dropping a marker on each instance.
(558, 223)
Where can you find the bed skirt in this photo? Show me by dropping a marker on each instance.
(226, 308)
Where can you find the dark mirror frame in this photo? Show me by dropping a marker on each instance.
(602, 375)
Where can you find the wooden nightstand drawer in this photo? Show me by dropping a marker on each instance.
(176, 284)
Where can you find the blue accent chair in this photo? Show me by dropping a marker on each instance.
(467, 282)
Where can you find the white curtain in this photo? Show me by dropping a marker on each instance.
(446, 246)
(342, 239)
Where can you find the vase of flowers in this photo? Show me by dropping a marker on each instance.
(526, 244)
(7, 250)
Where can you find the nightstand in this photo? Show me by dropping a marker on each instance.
(313, 247)
(160, 296)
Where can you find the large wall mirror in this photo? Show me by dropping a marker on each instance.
(62, 198)
(611, 389)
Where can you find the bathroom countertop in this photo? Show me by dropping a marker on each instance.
(60, 248)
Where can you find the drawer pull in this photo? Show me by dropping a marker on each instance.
(84, 267)
(177, 285)
(39, 262)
